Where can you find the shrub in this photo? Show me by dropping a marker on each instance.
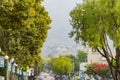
(102, 69)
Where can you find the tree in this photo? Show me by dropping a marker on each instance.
(90, 72)
(97, 24)
(75, 62)
(100, 69)
(62, 65)
(82, 56)
(48, 63)
(23, 30)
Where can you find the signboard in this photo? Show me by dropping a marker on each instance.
(2, 78)
(9, 66)
(18, 70)
(1, 61)
(13, 68)
(82, 66)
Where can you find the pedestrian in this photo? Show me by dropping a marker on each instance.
(32, 75)
(96, 77)
(82, 77)
(40, 78)
(70, 78)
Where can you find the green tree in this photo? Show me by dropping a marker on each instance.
(97, 24)
(62, 65)
(90, 70)
(23, 30)
(82, 56)
(75, 62)
(99, 69)
(48, 63)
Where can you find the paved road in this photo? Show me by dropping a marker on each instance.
(45, 76)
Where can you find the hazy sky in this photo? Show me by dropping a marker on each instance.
(59, 12)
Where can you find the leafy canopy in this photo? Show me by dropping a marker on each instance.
(97, 24)
(23, 29)
(75, 62)
(62, 65)
(82, 56)
(94, 21)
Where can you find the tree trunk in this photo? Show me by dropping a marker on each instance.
(113, 72)
(60, 76)
(118, 63)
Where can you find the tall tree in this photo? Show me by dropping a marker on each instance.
(23, 29)
(62, 65)
(82, 56)
(97, 23)
(75, 62)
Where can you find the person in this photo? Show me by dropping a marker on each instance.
(56, 78)
(70, 78)
(32, 75)
(82, 77)
(64, 77)
(40, 78)
(96, 77)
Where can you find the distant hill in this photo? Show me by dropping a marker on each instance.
(59, 45)
(58, 42)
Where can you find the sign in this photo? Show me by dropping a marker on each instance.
(1, 61)
(82, 66)
(13, 68)
(18, 70)
(9, 66)
(2, 78)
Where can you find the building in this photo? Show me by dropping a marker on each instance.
(95, 57)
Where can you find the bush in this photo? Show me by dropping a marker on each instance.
(90, 70)
(99, 69)
(102, 69)
(2, 71)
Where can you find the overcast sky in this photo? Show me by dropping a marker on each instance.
(59, 12)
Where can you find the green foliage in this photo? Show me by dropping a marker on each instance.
(23, 30)
(113, 62)
(82, 56)
(25, 68)
(99, 69)
(62, 65)
(48, 64)
(75, 62)
(2, 71)
(97, 24)
(94, 20)
(41, 67)
(90, 68)
(104, 71)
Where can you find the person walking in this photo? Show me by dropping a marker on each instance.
(32, 75)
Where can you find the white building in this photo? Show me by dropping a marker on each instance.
(95, 57)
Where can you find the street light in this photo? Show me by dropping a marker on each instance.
(12, 64)
(0, 49)
(6, 57)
